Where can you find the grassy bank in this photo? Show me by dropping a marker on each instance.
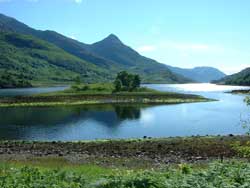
(100, 94)
(228, 174)
(193, 162)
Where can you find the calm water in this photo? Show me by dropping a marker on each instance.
(122, 121)
(29, 91)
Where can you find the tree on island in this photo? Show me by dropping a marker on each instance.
(126, 82)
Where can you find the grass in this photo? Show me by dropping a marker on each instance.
(130, 101)
(100, 94)
(233, 174)
(115, 163)
(97, 88)
(52, 163)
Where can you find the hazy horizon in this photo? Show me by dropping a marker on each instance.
(180, 33)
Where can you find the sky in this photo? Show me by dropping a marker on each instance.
(183, 33)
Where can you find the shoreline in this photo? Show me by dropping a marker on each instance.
(102, 98)
(125, 152)
(240, 91)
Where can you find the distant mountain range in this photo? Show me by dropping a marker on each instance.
(47, 56)
(199, 74)
(240, 78)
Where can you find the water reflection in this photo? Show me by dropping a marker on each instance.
(127, 112)
(17, 123)
(130, 121)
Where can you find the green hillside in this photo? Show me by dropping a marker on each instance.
(241, 78)
(113, 49)
(150, 70)
(26, 58)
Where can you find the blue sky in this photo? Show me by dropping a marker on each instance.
(184, 33)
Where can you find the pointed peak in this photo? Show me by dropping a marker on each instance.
(112, 38)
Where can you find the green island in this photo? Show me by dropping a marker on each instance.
(240, 91)
(180, 162)
(125, 89)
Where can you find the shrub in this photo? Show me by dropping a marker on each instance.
(126, 82)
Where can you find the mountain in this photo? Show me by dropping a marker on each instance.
(241, 78)
(35, 60)
(70, 45)
(114, 50)
(110, 54)
(199, 74)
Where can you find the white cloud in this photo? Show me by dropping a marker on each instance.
(73, 37)
(146, 48)
(191, 46)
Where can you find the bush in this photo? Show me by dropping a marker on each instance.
(126, 82)
(9, 80)
(27, 177)
(231, 174)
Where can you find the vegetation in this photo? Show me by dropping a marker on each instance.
(9, 80)
(124, 163)
(105, 88)
(247, 100)
(243, 149)
(241, 78)
(234, 174)
(240, 91)
(28, 60)
(97, 97)
(229, 174)
(125, 89)
(61, 59)
(129, 91)
(97, 88)
(125, 58)
(126, 82)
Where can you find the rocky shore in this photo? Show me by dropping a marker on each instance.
(139, 152)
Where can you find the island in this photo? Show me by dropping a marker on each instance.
(241, 91)
(126, 88)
